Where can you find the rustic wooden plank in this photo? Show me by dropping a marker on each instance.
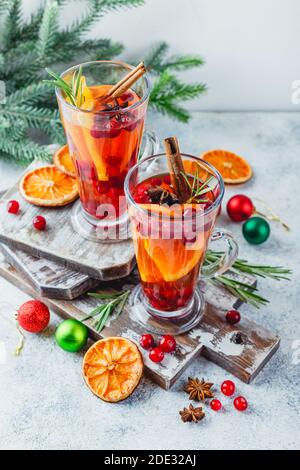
(60, 243)
(50, 279)
(242, 349)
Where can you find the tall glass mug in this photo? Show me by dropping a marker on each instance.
(104, 141)
(171, 242)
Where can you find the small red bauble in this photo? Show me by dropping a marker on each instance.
(33, 316)
(146, 341)
(156, 355)
(240, 208)
(167, 343)
(240, 403)
(233, 317)
(215, 405)
(39, 222)
(228, 388)
(13, 207)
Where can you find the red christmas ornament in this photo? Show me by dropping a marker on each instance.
(215, 405)
(167, 343)
(146, 341)
(33, 316)
(156, 355)
(13, 207)
(240, 403)
(39, 222)
(240, 208)
(233, 317)
(228, 388)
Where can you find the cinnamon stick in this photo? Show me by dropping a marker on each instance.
(126, 82)
(176, 169)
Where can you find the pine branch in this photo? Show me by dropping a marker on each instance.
(12, 24)
(168, 91)
(40, 118)
(48, 30)
(158, 62)
(32, 94)
(23, 151)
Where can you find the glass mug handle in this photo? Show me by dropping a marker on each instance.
(226, 261)
(151, 144)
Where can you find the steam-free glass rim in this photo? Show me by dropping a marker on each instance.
(216, 203)
(145, 96)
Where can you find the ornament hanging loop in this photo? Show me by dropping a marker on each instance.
(271, 215)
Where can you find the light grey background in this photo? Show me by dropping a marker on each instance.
(251, 47)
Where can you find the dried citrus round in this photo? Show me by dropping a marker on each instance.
(48, 186)
(63, 161)
(112, 368)
(233, 168)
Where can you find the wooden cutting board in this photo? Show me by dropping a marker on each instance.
(242, 349)
(59, 242)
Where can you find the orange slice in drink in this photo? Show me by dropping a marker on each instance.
(172, 258)
(112, 368)
(233, 168)
(48, 186)
(63, 161)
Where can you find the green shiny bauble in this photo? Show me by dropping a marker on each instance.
(71, 335)
(256, 230)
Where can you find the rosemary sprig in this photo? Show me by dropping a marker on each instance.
(116, 303)
(197, 187)
(73, 91)
(244, 291)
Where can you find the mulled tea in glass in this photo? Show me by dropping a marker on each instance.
(104, 139)
(171, 241)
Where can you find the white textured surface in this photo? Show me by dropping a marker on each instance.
(44, 402)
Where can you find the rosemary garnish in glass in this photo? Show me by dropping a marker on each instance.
(72, 90)
(197, 187)
(116, 303)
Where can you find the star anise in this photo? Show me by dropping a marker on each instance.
(192, 414)
(198, 390)
(160, 196)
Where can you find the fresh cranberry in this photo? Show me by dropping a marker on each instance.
(167, 179)
(147, 341)
(127, 96)
(233, 317)
(13, 207)
(39, 222)
(141, 196)
(240, 403)
(156, 355)
(117, 181)
(128, 122)
(167, 343)
(109, 129)
(215, 405)
(228, 388)
(156, 181)
(102, 187)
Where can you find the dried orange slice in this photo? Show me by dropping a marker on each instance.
(112, 368)
(63, 161)
(233, 168)
(48, 186)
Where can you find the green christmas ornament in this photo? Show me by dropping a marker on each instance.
(256, 230)
(71, 335)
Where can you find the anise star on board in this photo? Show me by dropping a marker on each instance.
(198, 390)
(192, 414)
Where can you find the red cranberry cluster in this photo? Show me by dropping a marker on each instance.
(39, 222)
(167, 344)
(228, 388)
